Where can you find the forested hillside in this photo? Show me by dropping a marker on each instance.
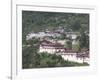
(39, 21)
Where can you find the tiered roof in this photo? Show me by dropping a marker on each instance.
(51, 44)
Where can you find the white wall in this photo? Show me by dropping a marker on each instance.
(5, 33)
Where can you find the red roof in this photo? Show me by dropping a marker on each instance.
(70, 51)
(51, 44)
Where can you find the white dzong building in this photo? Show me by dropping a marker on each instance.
(67, 54)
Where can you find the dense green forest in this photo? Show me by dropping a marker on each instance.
(34, 21)
(39, 21)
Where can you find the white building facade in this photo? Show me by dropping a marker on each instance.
(57, 48)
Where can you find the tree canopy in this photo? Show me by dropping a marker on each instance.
(35, 21)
